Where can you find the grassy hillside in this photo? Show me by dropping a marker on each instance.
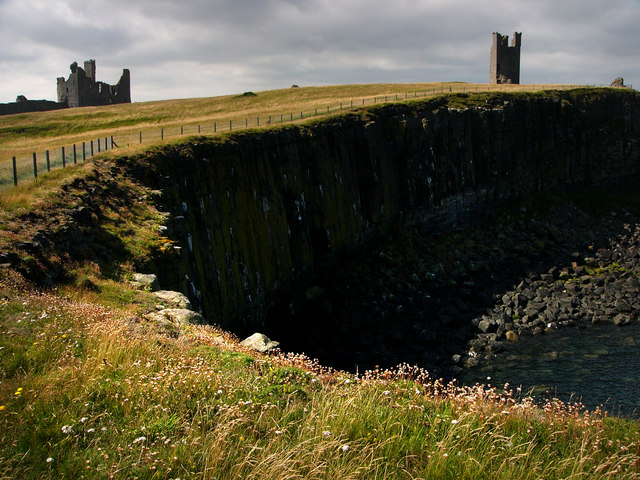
(22, 134)
(93, 386)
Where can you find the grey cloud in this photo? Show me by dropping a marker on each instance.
(185, 48)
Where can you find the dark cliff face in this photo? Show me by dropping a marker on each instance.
(256, 212)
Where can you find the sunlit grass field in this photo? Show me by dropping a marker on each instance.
(22, 134)
(88, 391)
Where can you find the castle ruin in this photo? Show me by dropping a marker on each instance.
(504, 64)
(81, 88)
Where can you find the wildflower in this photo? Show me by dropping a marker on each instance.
(454, 421)
(326, 433)
(91, 430)
(84, 419)
(1, 407)
(278, 432)
(386, 392)
(345, 448)
(66, 429)
(140, 439)
(49, 460)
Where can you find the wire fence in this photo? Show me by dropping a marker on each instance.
(21, 169)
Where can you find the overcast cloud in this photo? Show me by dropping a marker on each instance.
(198, 48)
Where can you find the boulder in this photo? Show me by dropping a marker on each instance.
(618, 82)
(260, 343)
(145, 281)
(175, 299)
(621, 319)
(179, 316)
(487, 325)
(512, 336)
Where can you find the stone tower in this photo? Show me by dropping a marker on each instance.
(505, 59)
(81, 88)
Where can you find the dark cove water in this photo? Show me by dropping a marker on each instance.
(599, 365)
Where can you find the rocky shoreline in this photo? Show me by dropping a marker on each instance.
(599, 286)
(449, 300)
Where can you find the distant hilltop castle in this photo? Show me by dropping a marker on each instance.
(82, 90)
(79, 90)
(504, 66)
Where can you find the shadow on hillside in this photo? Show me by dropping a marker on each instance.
(415, 298)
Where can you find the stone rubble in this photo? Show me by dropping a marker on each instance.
(448, 300)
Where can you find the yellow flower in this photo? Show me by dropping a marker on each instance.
(64, 336)
(1, 407)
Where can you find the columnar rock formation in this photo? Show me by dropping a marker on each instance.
(255, 214)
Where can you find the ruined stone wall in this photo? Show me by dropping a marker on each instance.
(29, 106)
(253, 214)
(81, 88)
(505, 59)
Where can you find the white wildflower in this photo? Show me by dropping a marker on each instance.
(66, 429)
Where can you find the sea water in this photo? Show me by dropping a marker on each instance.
(597, 366)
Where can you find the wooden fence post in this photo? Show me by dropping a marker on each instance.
(35, 166)
(230, 125)
(75, 157)
(215, 127)
(92, 148)
(106, 145)
(84, 153)
(258, 121)
(198, 129)
(98, 140)
(64, 161)
(162, 134)
(15, 172)
(140, 137)
(48, 162)
(181, 130)
(112, 142)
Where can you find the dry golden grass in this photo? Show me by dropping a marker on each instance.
(22, 134)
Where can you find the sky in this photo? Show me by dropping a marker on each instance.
(202, 48)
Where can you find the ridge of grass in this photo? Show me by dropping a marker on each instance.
(22, 134)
